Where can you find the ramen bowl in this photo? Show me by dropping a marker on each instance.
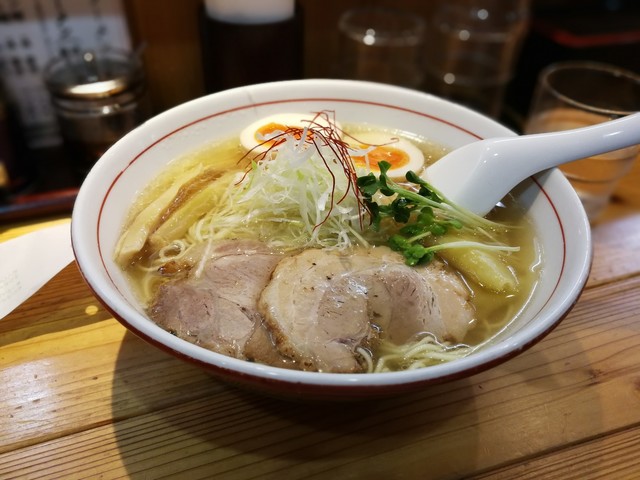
(110, 189)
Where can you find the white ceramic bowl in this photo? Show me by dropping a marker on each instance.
(110, 187)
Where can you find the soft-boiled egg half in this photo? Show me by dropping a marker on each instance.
(263, 134)
(368, 149)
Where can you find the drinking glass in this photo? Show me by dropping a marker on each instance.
(578, 94)
(383, 45)
(471, 50)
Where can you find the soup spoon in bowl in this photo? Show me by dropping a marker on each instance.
(478, 175)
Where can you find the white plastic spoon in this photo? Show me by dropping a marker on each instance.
(478, 175)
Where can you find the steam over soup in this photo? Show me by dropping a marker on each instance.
(311, 245)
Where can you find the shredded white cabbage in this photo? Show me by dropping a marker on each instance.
(298, 196)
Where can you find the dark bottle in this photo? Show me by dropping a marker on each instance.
(240, 52)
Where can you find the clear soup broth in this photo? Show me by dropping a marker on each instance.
(194, 205)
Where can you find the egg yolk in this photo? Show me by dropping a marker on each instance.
(394, 156)
(268, 129)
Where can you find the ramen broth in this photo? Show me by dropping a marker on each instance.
(494, 310)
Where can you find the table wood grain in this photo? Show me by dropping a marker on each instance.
(80, 397)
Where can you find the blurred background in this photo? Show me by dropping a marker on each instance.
(173, 51)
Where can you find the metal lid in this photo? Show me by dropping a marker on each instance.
(92, 76)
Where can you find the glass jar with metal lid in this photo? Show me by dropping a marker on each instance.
(98, 97)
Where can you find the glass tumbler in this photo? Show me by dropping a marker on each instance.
(578, 94)
(382, 45)
(471, 50)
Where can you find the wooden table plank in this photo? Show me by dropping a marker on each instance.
(616, 236)
(613, 456)
(616, 249)
(578, 383)
(82, 397)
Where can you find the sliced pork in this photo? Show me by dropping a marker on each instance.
(315, 310)
(214, 305)
(322, 306)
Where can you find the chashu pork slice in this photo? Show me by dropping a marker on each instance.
(321, 306)
(215, 306)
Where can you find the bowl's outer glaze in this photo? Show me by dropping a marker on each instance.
(116, 179)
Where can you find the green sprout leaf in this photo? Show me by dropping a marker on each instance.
(423, 213)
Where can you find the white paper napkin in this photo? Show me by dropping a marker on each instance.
(30, 261)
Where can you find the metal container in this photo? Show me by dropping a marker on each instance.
(98, 97)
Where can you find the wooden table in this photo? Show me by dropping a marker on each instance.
(80, 397)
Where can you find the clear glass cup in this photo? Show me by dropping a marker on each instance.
(383, 45)
(578, 94)
(471, 50)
